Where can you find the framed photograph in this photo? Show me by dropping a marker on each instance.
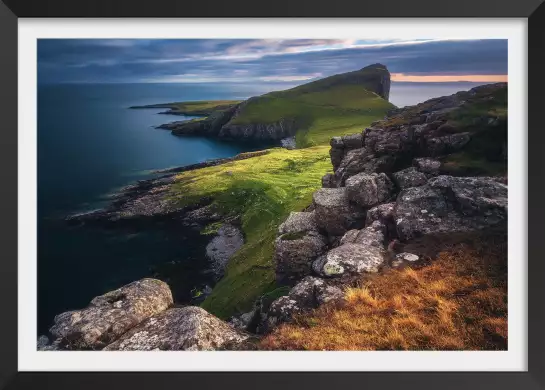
(300, 195)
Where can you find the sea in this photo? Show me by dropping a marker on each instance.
(90, 144)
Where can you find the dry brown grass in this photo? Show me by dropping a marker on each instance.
(457, 302)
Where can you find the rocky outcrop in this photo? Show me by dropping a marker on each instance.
(308, 294)
(110, 315)
(140, 317)
(188, 328)
(449, 204)
(299, 243)
(334, 213)
(367, 190)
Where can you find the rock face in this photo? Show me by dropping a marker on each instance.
(188, 328)
(294, 253)
(237, 122)
(449, 204)
(228, 241)
(110, 315)
(350, 259)
(368, 190)
(333, 211)
(308, 294)
(409, 177)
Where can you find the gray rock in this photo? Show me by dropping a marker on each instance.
(328, 181)
(409, 177)
(188, 328)
(367, 190)
(308, 294)
(353, 141)
(223, 246)
(44, 344)
(298, 222)
(447, 144)
(337, 143)
(372, 235)
(449, 204)
(427, 165)
(350, 259)
(288, 143)
(333, 211)
(294, 253)
(383, 213)
(110, 315)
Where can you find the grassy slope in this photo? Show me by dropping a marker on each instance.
(459, 302)
(263, 190)
(321, 114)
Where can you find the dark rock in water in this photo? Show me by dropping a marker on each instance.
(294, 253)
(110, 315)
(350, 259)
(367, 190)
(409, 177)
(223, 246)
(188, 328)
(449, 204)
(427, 165)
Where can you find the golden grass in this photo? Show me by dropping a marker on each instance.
(457, 302)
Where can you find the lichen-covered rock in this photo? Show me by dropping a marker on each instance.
(294, 253)
(447, 144)
(298, 222)
(383, 213)
(372, 235)
(187, 328)
(449, 204)
(308, 294)
(427, 165)
(409, 177)
(224, 245)
(110, 315)
(349, 259)
(333, 211)
(362, 160)
(367, 190)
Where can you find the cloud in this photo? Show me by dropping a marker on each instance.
(260, 61)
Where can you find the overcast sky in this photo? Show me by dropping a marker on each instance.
(265, 61)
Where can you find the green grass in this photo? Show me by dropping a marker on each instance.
(262, 190)
(319, 115)
(204, 107)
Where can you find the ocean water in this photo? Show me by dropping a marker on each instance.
(89, 145)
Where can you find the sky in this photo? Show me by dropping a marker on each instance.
(265, 61)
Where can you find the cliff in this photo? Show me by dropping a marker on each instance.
(304, 112)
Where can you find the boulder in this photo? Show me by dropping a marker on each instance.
(308, 294)
(362, 160)
(328, 181)
(187, 328)
(449, 204)
(110, 315)
(383, 213)
(349, 259)
(334, 213)
(294, 253)
(367, 190)
(447, 144)
(299, 222)
(372, 235)
(427, 165)
(409, 177)
(353, 141)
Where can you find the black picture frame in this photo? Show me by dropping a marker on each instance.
(11, 10)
